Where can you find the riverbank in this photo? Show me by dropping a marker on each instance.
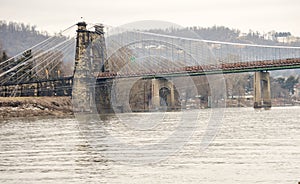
(35, 106)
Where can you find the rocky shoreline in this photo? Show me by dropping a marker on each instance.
(11, 107)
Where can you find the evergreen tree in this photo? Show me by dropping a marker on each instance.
(4, 56)
(290, 83)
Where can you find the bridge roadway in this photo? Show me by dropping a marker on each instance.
(224, 68)
(35, 81)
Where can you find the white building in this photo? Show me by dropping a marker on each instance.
(297, 90)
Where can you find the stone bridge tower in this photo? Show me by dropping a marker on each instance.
(89, 60)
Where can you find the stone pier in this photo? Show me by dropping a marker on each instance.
(162, 94)
(262, 90)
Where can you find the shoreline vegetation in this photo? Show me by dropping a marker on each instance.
(13, 107)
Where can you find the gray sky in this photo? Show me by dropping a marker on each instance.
(258, 15)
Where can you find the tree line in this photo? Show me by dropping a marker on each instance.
(222, 33)
(18, 37)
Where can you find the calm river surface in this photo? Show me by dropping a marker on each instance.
(240, 145)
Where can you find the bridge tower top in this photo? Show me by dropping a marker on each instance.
(81, 26)
(90, 48)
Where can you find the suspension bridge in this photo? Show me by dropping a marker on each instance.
(112, 66)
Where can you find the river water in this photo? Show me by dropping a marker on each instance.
(240, 145)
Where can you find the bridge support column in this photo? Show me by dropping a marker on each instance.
(168, 97)
(262, 90)
(172, 97)
(155, 94)
(103, 94)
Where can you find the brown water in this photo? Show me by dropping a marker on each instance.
(250, 147)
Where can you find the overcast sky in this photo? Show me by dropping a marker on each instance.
(258, 15)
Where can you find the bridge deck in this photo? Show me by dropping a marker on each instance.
(224, 68)
(38, 81)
